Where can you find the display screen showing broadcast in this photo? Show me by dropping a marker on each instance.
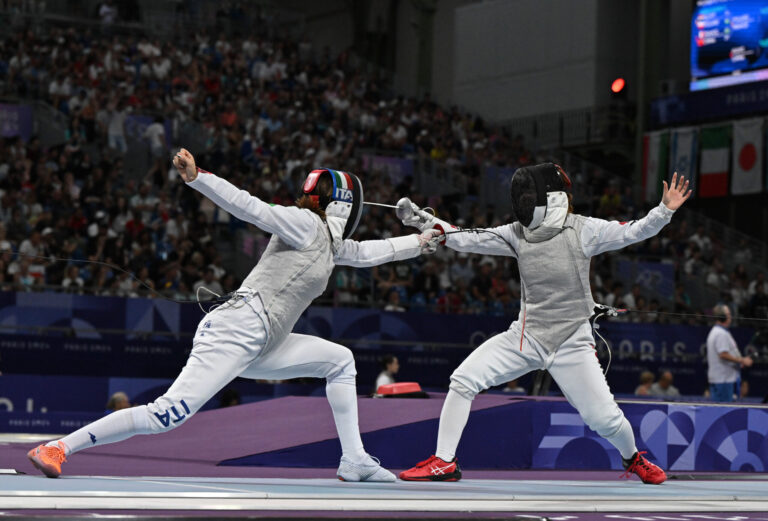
(729, 43)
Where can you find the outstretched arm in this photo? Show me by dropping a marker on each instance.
(490, 241)
(293, 225)
(599, 236)
(363, 254)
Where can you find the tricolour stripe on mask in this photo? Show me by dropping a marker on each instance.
(342, 179)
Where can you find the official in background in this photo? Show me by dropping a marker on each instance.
(724, 359)
(390, 365)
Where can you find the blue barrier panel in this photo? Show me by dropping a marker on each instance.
(50, 423)
(635, 347)
(677, 436)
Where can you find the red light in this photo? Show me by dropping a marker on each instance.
(617, 85)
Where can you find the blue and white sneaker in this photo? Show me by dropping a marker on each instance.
(369, 469)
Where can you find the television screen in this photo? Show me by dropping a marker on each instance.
(729, 43)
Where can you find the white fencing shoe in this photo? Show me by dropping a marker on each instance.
(369, 469)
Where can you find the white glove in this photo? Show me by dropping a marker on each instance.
(412, 215)
(429, 240)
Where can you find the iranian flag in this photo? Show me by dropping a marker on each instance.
(747, 157)
(655, 158)
(713, 163)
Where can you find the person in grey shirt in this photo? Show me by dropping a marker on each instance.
(664, 388)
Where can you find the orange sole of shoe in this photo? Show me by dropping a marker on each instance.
(41, 468)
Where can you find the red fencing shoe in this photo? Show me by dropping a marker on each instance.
(433, 469)
(48, 459)
(648, 472)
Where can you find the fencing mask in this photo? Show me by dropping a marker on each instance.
(345, 201)
(530, 185)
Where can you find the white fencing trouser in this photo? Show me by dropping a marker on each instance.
(573, 366)
(227, 344)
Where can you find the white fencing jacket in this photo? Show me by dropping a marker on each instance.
(297, 263)
(553, 260)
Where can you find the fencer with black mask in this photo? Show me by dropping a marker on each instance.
(553, 248)
(250, 334)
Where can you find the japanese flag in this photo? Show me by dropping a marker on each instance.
(747, 162)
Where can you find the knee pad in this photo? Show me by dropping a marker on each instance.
(165, 414)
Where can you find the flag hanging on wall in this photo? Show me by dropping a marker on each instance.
(682, 155)
(747, 160)
(713, 161)
(655, 161)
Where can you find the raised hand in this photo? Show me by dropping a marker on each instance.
(676, 193)
(185, 164)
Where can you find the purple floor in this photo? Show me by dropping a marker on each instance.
(207, 438)
(195, 448)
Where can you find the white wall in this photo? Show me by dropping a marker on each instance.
(515, 58)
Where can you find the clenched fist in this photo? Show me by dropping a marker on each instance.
(185, 164)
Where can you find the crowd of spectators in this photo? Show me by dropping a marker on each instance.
(266, 111)
(696, 259)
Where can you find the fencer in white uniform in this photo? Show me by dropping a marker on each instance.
(553, 248)
(250, 335)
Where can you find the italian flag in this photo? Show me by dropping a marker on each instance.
(713, 169)
(655, 158)
(747, 157)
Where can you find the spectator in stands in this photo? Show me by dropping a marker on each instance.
(390, 366)
(426, 283)
(682, 300)
(73, 282)
(759, 281)
(664, 388)
(630, 299)
(402, 277)
(717, 277)
(482, 283)
(96, 82)
(743, 253)
(349, 285)
(118, 401)
(614, 298)
(461, 269)
(758, 304)
(701, 240)
(694, 265)
(213, 287)
(739, 295)
(724, 358)
(115, 125)
(155, 136)
(33, 245)
(646, 381)
(393, 301)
